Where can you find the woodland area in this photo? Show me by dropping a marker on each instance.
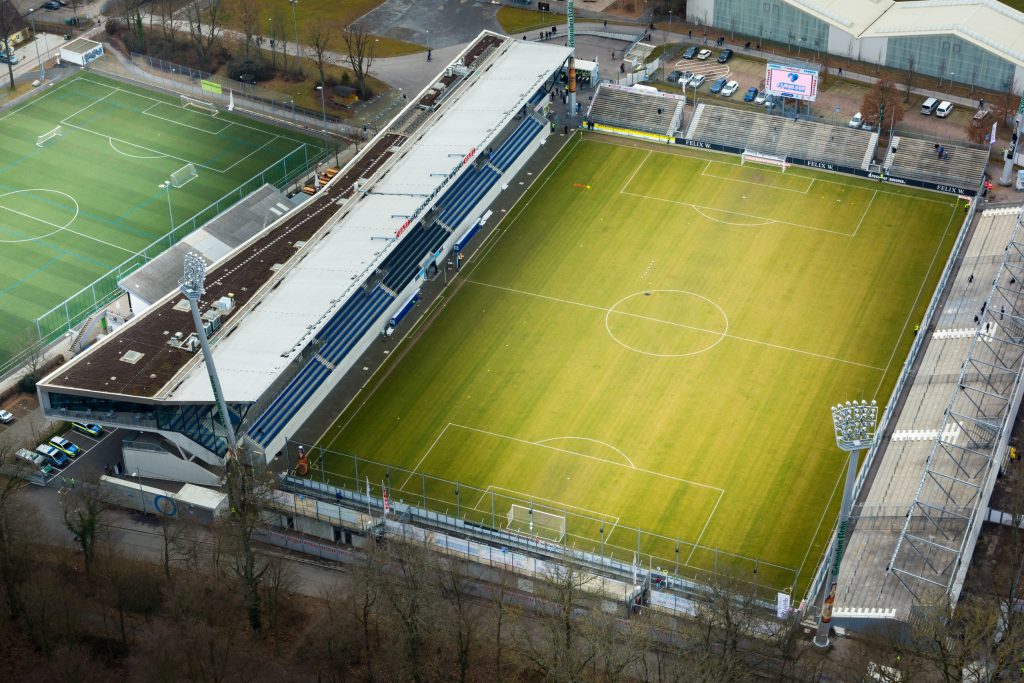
(217, 606)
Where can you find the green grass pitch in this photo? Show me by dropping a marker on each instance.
(84, 202)
(652, 339)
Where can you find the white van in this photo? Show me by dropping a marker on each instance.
(942, 111)
(35, 462)
(929, 106)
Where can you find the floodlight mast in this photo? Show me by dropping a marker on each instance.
(193, 286)
(854, 425)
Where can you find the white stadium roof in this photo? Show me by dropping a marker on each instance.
(268, 338)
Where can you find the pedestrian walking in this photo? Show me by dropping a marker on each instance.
(606, 23)
(983, 305)
(970, 278)
(689, 33)
(1002, 311)
(840, 71)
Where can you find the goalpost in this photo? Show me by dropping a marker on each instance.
(528, 520)
(49, 135)
(210, 109)
(184, 174)
(760, 158)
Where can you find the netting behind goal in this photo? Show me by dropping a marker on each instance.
(184, 174)
(206, 107)
(527, 520)
(760, 158)
(49, 135)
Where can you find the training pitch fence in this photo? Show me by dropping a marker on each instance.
(596, 540)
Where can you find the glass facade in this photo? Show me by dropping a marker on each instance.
(198, 422)
(950, 57)
(772, 20)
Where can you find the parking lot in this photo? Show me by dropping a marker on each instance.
(85, 463)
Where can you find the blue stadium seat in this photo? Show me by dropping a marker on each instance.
(457, 210)
(516, 143)
(337, 338)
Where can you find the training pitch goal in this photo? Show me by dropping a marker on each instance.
(529, 520)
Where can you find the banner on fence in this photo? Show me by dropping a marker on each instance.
(211, 86)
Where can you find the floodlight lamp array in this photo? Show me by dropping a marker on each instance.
(854, 424)
(193, 281)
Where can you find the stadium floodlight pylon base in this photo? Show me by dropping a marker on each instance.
(533, 522)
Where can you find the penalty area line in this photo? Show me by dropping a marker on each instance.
(705, 528)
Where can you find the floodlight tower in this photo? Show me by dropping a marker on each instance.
(571, 76)
(193, 287)
(854, 425)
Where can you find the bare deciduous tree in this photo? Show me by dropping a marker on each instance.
(83, 509)
(359, 52)
(204, 27)
(320, 41)
(247, 13)
(9, 20)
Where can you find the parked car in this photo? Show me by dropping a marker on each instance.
(50, 5)
(34, 461)
(87, 428)
(730, 88)
(64, 446)
(704, 54)
(8, 58)
(944, 109)
(5, 417)
(685, 79)
(762, 98)
(724, 56)
(674, 76)
(750, 95)
(691, 52)
(697, 81)
(52, 455)
(717, 85)
(857, 121)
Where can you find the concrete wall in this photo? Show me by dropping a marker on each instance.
(701, 11)
(153, 464)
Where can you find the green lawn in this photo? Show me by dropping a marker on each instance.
(75, 208)
(653, 339)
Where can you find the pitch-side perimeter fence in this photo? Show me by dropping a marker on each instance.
(596, 540)
(887, 415)
(80, 305)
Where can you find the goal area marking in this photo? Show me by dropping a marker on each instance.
(210, 109)
(49, 135)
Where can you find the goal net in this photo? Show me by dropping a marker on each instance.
(759, 158)
(206, 107)
(529, 520)
(49, 135)
(184, 174)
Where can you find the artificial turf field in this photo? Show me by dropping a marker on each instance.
(652, 338)
(74, 209)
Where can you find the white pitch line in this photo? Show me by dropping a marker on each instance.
(820, 520)
(584, 438)
(920, 290)
(67, 229)
(409, 478)
(584, 455)
(636, 170)
(681, 325)
(705, 528)
(698, 207)
(684, 152)
(865, 214)
(556, 503)
(752, 182)
(95, 102)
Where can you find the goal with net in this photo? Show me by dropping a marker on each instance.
(760, 158)
(529, 520)
(49, 135)
(184, 174)
(205, 107)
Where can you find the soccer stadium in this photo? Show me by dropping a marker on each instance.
(99, 177)
(616, 346)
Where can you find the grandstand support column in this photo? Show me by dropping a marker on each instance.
(193, 286)
(854, 425)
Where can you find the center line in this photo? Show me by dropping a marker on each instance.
(682, 325)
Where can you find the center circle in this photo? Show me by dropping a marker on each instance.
(666, 323)
(37, 213)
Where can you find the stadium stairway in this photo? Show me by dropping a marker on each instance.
(695, 121)
(401, 264)
(336, 339)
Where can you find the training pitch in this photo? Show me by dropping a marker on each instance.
(653, 338)
(75, 207)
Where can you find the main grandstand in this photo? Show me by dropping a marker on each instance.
(290, 310)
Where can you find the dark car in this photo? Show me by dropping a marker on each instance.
(724, 56)
(717, 86)
(691, 52)
(51, 5)
(674, 77)
(751, 94)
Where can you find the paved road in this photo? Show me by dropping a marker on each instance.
(434, 23)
